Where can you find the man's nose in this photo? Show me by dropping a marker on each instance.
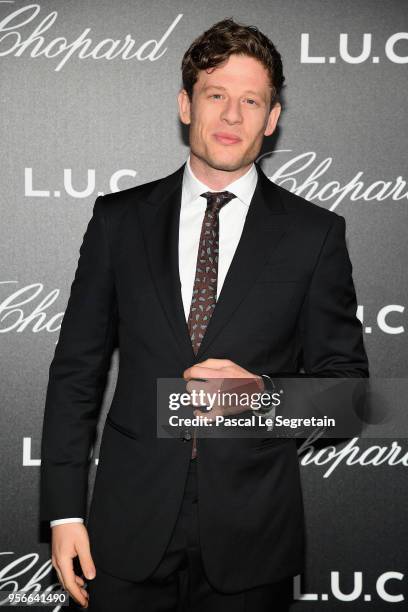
(232, 112)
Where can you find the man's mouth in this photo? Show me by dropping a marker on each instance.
(227, 139)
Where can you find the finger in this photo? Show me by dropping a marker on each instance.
(199, 392)
(188, 373)
(197, 371)
(80, 596)
(210, 415)
(79, 580)
(60, 578)
(196, 385)
(211, 362)
(215, 366)
(85, 559)
(85, 595)
(203, 388)
(68, 575)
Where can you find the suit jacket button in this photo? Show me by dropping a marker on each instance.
(186, 436)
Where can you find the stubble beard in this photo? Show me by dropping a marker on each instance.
(222, 165)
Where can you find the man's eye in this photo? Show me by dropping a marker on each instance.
(250, 100)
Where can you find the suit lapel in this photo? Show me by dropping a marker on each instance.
(265, 225)
(160, 225)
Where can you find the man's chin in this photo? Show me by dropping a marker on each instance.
(219, 162)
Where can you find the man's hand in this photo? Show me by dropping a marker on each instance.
(68, 541)
(222, 375)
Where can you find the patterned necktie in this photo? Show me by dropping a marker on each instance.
(205, 283)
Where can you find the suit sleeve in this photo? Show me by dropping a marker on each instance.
(77, 376)
(331, 339)
(331, 333)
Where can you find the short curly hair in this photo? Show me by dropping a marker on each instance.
(225, 38)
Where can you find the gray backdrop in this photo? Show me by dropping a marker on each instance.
(75, 123)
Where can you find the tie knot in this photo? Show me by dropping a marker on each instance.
(217, 199)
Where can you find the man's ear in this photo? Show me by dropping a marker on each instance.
(273, 119)
(184, 105)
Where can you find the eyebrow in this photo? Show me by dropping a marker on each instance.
(250, 91)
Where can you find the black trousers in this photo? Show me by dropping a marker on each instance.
(179, 583)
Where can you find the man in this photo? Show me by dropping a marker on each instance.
(212, 524)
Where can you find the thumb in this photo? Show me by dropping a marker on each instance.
(85, 559)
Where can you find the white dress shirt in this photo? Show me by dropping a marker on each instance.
(231, 222)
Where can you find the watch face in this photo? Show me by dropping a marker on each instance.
(269, 386)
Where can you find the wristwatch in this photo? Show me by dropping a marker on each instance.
(268, 382)
(269, 389)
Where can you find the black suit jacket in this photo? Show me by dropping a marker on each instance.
(287, 304)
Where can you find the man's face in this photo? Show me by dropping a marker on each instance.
(229, 113)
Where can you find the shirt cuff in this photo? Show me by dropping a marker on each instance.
(66, 520)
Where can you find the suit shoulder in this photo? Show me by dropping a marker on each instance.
(120, 200)
(116, 203)
(308, 211)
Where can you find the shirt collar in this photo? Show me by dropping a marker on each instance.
(243, 187)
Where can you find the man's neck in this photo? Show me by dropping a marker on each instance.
(215, 179)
